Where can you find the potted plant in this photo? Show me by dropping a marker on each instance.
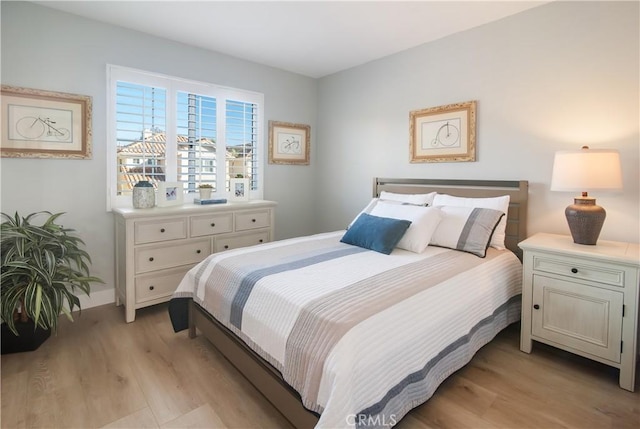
(42, 266)
(205, 191)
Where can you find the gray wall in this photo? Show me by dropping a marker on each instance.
(552, 78)
(47, 49)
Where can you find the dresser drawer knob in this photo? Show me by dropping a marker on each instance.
(253, 220)
(151, 287)
(536, 306)
(161, 229)
(198, 251)
(151, 259)
(213, 224)
(260, 241)
(226, 246)
(574, 270)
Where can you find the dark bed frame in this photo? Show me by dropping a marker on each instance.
(265, 377)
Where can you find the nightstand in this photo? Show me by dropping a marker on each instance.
(582, 299)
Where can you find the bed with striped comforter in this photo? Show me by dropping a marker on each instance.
(363, 337)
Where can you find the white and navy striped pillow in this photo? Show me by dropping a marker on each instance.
(496, 203)
(468, 229)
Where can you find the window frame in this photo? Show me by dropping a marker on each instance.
(173, 85)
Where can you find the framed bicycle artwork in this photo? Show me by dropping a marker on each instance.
(443, 133)
(45, 124)
(289, 143)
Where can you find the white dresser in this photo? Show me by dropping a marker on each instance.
(156, 247)
(583, 299)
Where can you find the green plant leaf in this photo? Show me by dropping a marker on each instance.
(38, 304)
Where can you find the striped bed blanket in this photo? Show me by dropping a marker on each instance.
(363, 337)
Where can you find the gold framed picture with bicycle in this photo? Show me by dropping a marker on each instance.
(45, 124)
(443, 133)
(289, 143)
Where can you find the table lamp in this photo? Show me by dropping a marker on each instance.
(586, 170)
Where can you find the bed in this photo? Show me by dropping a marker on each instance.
(338, 335)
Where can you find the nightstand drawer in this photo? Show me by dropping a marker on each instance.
(577, 268)
(160, 230)
(161, 257)
(213, 224)
(252, 220)
(159, 284)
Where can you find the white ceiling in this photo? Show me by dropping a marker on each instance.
(312, 38)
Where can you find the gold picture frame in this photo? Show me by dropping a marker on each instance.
(45, 124)
(289, 143)
(444, 133)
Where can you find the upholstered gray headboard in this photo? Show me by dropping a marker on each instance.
(518, 191)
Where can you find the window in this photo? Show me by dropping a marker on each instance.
(168, 129)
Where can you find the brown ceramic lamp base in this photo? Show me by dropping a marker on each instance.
(585, 220)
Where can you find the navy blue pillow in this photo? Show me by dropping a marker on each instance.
(376, 233)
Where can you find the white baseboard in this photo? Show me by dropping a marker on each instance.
(96, 299)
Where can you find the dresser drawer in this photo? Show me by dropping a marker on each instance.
(168, 256)
(158, 284)
(211, 224)
(234, 242)
(582, 269)
(252, 220)
(160, 230)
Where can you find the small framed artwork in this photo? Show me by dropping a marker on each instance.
(45, 124)
(444, 133)
(169, 194)
(289, 143)
(239, 190)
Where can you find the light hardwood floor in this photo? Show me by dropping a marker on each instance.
(102, 372)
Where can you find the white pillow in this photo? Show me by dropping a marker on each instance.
(401, 200)
(415, 199)
(424, 221)
(496, 203)
(468, 229)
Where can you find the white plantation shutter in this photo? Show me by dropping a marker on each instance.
(141, 119)
(242, 140)
(196, 140)
(168, 129)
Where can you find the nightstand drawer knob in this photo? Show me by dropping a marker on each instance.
(213, 224)
(151, 288)
(151, 259)
(536, 306)
(574, 270)
(162, 230)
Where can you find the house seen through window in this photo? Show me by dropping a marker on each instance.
(172, 130)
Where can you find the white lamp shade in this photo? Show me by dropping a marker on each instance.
(586, 169)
